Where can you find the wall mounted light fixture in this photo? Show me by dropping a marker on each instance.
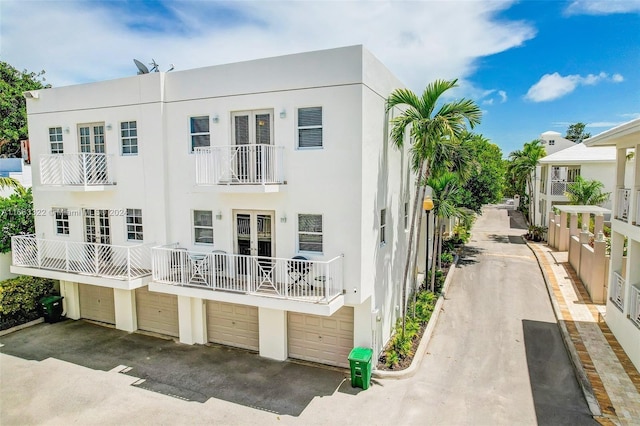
(215, 118)
(67, 130)
(109, 126)
(283, 218)
(283, 113)
(219, 215)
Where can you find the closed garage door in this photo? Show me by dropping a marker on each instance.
(96, 303)
(157, 312)
(233, 325)
(327, 340)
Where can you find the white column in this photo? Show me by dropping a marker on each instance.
(362, 324)
(125, 307)
(273, 333)
(71, 301)
(192, 320)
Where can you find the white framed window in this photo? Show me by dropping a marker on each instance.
(310, 233)
(62, 221)
(202, 227)
(129, 137)
(383, 227)
(552, 142)
(134, 225)
(310, 127)
(199, 131)
(55, 139)
(406, 215)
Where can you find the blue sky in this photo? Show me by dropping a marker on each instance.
(532, 66)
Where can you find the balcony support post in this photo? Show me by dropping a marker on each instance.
(71, 301)
(192, 319)
(273, 333)
(125, 309)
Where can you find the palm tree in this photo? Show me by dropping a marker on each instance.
(523, 167)
(586, 192)
(9, 182)
(430, 129)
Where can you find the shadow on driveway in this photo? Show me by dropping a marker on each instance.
(194, 373)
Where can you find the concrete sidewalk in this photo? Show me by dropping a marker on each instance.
(610, 380)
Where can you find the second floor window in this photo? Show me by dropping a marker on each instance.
(134, 224)
(55, 139)
(310, 232)
(383, 227)
(62, 221)
(199, 128)
(310, 127)
(203, 226)
(129, 137)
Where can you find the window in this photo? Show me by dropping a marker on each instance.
(134, 224)
(310, 232)
(203, 226)
(55, 138)
(129, 137)
(383, 226)
(406, 216)
(552, 142)
(200, 132)
(62, 221)
(310, 127)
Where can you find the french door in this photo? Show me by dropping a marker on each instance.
(254, 237)
(91, 138)
(97, 230)
(251, 130)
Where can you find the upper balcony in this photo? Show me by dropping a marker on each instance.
(124, 267)
(240, 168)
(251, 279)
(77, 172)
(559, 187)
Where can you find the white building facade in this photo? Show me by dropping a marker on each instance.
(256, 204)
(623, 301)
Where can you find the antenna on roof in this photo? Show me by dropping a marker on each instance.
(142, 68)
(170, 67)
(154, 67)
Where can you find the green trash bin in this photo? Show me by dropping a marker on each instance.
(51, 308)
(360, 363)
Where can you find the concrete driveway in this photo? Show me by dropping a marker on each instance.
(496, 358)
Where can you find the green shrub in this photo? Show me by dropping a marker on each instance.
(16, 217)
(19, 298)
(446, 258)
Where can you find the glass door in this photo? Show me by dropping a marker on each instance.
(254, 237)
(98, 235)
(251, 130)
(92, 141)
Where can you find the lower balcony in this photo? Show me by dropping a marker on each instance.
(124, 267)
(296, 279)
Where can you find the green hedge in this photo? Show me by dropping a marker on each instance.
(19, 299)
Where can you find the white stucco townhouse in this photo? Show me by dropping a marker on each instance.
(623, 301)
(255, 204)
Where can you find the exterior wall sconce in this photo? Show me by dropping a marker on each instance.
(215, 118)
(219, 215)
(600, 237)
(283, 218)
(283, 113)
(109, 126)
(66, 130)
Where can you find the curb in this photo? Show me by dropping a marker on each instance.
(426, 336)
(578, 368)
(21, 326)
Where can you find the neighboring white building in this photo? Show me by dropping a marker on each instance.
(560, 169)
(623, 302)
(176, 202)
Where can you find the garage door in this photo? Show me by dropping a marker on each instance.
(157, 312)
(233, 325)
(327, 340)
(96, 303)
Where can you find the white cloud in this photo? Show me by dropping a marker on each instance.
(602, 7)
(554, 86)
(487, 102)
(503, 96)
(77, 42)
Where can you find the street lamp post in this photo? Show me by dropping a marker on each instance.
(427, 205)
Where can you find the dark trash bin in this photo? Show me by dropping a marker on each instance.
(360, 363)
(51, 308)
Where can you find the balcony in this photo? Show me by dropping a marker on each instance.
(559, 187)
(79, 172)
(240, 168)
(617, 291)
(314, 282)
(634, 308)
(637, 221)
(622, 204)
(89, 263)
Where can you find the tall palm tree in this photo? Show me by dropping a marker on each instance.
(430, 127)
(523, 167)
(9, 182)
(586, 192)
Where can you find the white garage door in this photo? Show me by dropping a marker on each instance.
(157, 312)
(327, 340)
(96, 303)
(233, 325)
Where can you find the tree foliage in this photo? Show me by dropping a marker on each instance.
(13, 110)
(487, 174)
(16, 217)
(521, 170)
(583, 192)
(575, 132)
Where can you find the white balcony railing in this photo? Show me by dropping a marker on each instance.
(239, 164)
(637, 221)
(294, 279)
(622, 204)
(77, 169)
(103, 260)
(559, 187)
(634, 308)
(617, 290)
